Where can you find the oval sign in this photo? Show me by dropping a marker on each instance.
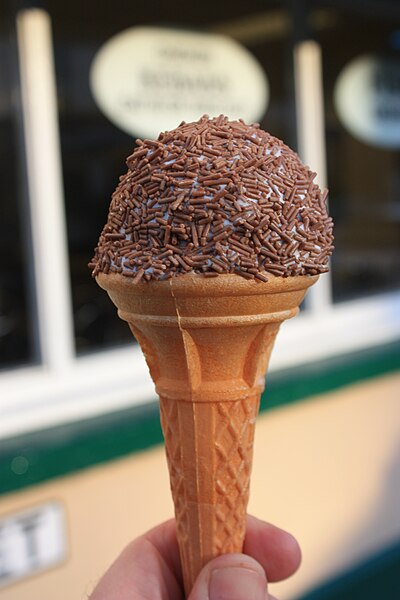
(148, 79)
(367, 100)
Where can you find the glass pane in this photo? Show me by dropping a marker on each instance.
(15, 335)
(363, 175)
(94, 149)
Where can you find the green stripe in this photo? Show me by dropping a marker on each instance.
(376, 579)
(42, 455)
(323, 376)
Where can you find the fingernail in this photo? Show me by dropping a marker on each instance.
(237, 583)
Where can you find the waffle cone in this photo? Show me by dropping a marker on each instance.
(207, 342)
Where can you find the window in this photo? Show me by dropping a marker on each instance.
(74, 156)
(16, 343)
(364, 178)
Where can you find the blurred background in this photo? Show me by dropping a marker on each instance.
(82, 470)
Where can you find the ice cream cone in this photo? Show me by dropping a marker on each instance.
(207, 342)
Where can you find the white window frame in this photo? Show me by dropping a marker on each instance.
(65, 387)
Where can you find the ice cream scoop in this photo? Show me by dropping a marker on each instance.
(213, 237)
(215, 197)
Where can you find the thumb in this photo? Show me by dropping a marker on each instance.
(231, 577)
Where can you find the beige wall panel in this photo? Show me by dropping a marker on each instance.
(326, 469)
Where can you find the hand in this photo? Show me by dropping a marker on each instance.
(149, 568)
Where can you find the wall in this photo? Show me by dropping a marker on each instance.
(326, 469)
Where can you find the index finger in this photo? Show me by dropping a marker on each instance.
(275, 549)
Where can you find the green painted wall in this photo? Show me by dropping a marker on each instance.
(42, 455)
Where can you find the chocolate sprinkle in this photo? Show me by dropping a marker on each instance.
(211, 197)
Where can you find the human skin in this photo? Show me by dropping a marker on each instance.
(149, 567)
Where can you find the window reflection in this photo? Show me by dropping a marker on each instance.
(363, 178)
(93, 149)
(15, 334)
